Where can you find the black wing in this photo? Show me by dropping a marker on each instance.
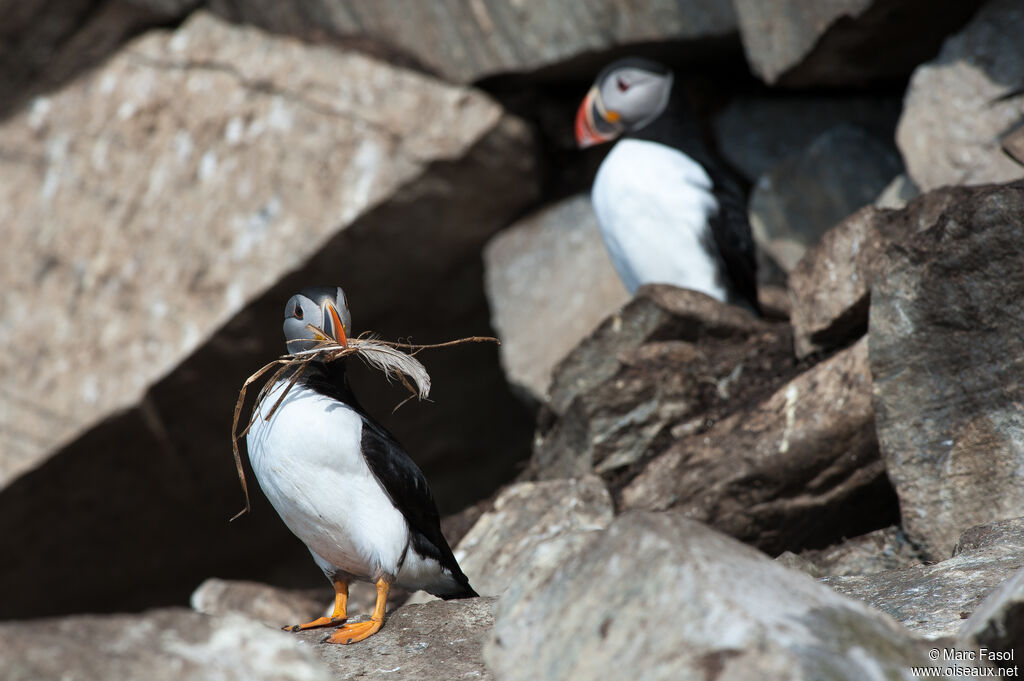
(735, 243)
(405, 483)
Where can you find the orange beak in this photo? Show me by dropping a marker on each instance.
(587, 134)
(337, 328)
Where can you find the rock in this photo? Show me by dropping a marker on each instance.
(669, 362)
(161, 645)
(946, 332)
(844, 42)
(800, 468)
(163, 210)
(987, 535)
(898, 193)
(436, 640)
(998, 624)
(1012, 143)
(273, 606)
(465, 42)
(878, 551)
(934, 600)
(830, 287)
(532, 528)
(796, 202)
(47, 43)
(549, 283)
(668, 598)
(958, 105)
(755, 134)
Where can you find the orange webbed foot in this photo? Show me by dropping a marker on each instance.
(357, 631)
(319, 622)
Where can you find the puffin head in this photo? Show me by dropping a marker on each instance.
(627, 95)
(325, 307)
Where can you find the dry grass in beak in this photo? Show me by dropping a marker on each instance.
(385, 356)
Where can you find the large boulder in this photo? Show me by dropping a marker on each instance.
(549, 283)
(800, 199)
(934, 600)
(667, 598)
(670, 362)
(844, 42)
(533, 527)
(947, 343)
(959, 104)
(165, 207)
(161, 645)
(799, 469)
(465, 42)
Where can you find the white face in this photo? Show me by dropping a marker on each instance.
(321, 307)
(633, 94)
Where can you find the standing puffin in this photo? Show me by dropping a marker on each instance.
(667, 212)
(342, 483)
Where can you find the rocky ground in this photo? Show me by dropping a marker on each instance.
(662, 487)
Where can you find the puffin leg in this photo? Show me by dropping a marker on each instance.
(357, 631)
(337, 617)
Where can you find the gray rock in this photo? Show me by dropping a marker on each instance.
(436, 640)
(795, 469)
(958, 104)
(898, 193)
(663, 366)
(268, 604)
(1012, 143)
(998, 624)
(668, 598)
(161, 645)
(755, 134)
(465, 42)
(934, 600)
(549, 283)
(946, 339)
(163, 209)
(531, 529)
(796, 202)
(830, 287)
(843, 42)
(878, 551)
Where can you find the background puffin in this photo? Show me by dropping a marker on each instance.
(667, 212)
(342, 483)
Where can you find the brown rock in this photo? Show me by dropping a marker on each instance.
(958, 104)
(878, 551)
(549, 282)
(843, 42)
(532, 528)
(164, 208)
(800, 468)
(1009, 532)
(947, 338)
(831, 285)
(670, 362)
(934, 600)
(161, 645)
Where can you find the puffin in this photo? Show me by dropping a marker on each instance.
(342, 483)
(667, 211)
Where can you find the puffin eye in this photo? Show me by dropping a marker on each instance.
(297, 313)
(622, 84)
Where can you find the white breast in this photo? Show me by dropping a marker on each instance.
(308, 461)
(653, 203)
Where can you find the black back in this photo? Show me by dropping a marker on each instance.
(677, 127)
(397, 473)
